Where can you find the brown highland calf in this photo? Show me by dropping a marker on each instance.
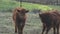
(50, 20)
(19, 18)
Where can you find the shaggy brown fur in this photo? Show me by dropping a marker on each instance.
(50, 20)
(19, 18)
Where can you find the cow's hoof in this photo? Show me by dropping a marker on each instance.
(15, 31)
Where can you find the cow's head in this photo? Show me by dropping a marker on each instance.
(21, 11)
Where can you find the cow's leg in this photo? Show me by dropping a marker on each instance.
(20, 28)
(47, 30)
(54, 30)
(58, 29)
(44, 28)
(15, 28)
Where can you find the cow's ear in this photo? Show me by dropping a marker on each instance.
(27, 11)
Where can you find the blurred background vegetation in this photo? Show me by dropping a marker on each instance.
(8, 5)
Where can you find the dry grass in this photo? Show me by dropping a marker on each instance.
(33, 24)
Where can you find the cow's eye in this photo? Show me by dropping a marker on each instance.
(27, 11)
(18, 10)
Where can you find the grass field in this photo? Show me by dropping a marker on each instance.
(10, 4)
(33, 23)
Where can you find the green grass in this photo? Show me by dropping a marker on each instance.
(9, 4)
(54, 6)
(6, 5)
